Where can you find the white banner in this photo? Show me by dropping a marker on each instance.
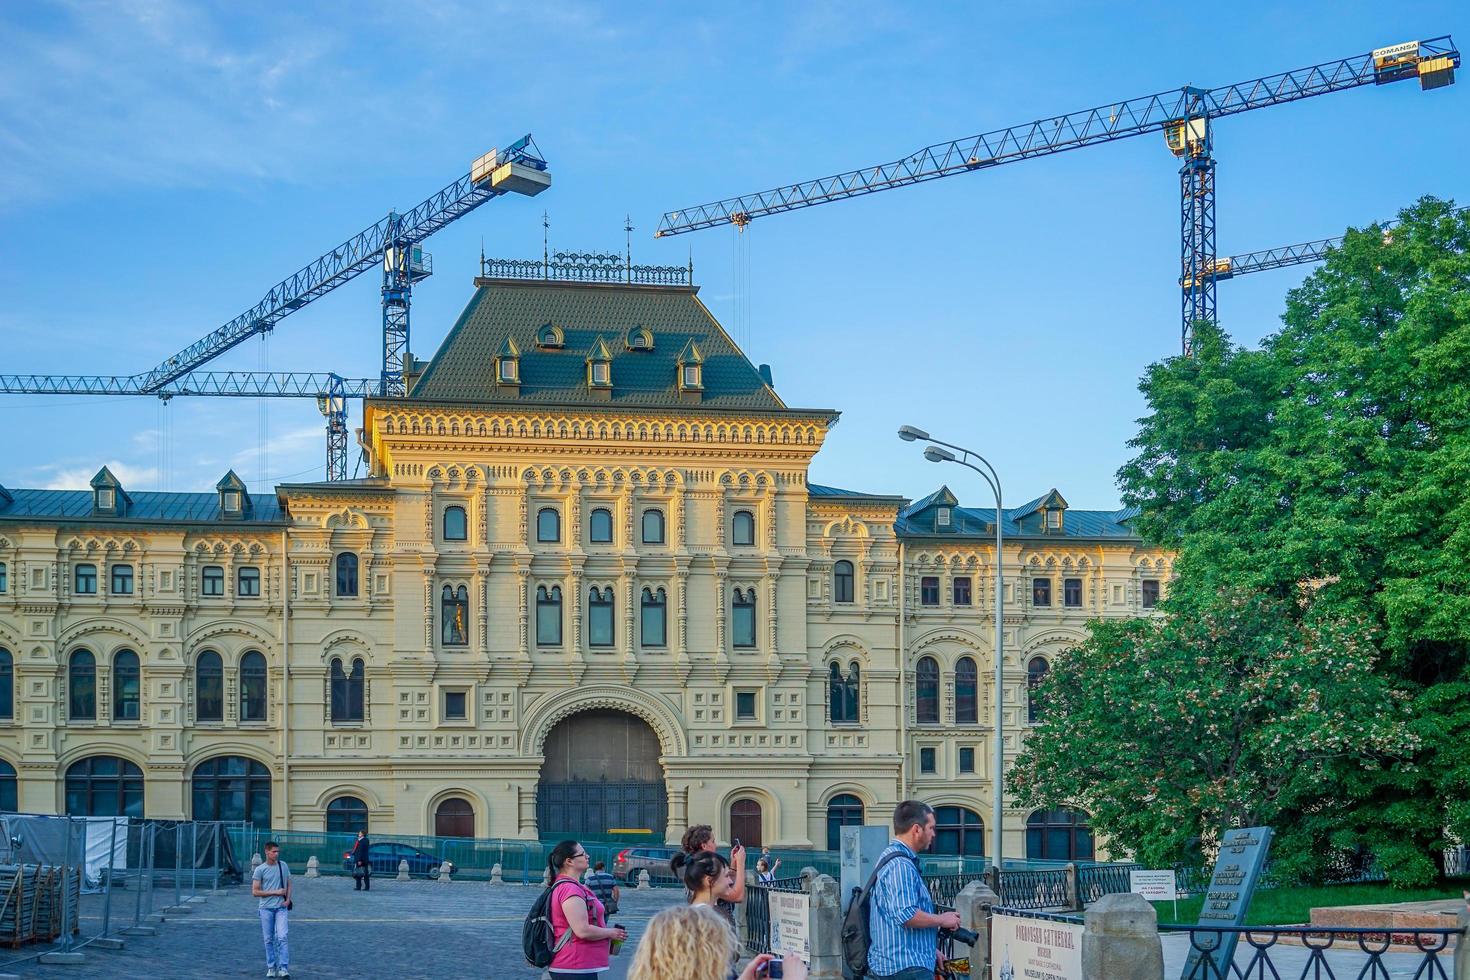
(1035, 949)
(1156, 886)
(791, 930)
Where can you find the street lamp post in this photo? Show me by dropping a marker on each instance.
(935, 453)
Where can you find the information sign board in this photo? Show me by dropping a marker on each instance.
(1024, 948)
(1156, 886)
(791, 930)
(1237, 869)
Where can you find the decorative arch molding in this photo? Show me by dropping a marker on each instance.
(10, 640)
(332, 643)
(373, 801)
(237, 547)
(846, 646)
(971, 803)
(947, 635)
(347, 518)
(104, 544)
(863, 793)
(477, 801)
(226, 628)
(550, 710)
(746, 481)
(846, 527)
(214, 750)
(86, 750)
(91, 627)
(770, 807)
(5, 544)
(1067, 636)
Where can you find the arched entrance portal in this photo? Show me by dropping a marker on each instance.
(600, 775)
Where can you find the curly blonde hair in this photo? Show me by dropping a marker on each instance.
(685, 942)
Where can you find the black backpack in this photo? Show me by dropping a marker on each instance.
(856, 937)
(538, 939)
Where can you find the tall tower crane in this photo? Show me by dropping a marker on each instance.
(1185, 116)
(396, 241)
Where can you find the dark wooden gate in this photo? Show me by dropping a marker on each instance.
(602, 774)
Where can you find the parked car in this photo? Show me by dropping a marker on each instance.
(655, 860)
(383, 858)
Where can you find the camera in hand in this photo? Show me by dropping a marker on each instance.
(960, 935)
(773, 970)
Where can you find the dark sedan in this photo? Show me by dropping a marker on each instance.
(383, 858)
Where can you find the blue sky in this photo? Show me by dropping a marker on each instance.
(166, 163)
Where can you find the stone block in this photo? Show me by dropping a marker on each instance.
(178, 910)
(403, 870)
(108, 942)
(824, 905)
(1122, 940)
(313, 867)
(497, 875)
(140, 931)
(444, 872)
(62, 959)
(973, 903)
(643, 880)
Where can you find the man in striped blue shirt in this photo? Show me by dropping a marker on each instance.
(902, 925)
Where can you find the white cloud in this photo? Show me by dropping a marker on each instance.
(63, 477)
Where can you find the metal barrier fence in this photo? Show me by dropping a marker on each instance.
(1425, 954)
(121, 874)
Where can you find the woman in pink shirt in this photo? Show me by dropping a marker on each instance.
(575, 910)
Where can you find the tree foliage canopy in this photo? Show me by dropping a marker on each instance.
(1315, 492)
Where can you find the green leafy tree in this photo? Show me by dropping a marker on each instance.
(1326, 473)
(1228, 712)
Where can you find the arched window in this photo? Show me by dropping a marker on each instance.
(842, 582)
(455, 612)
(958, 830)
(252, 686)
(231, 787)
(454, 524)
(347, 574)
(104, 786)
(844, 810)
(127, 684)
(1035, 673)
(599, 526)
(1063, 834)
(209, 687)
(742, 528)
(454, 817)
(653, 526)
(745, 822)
(548, 525)
(347, 691)
(346, 815)
(843, 693)
(654, 615)
(926, 691)
(81, 679)
(548, 616)
(743, 618)
(600, 617)
(966, 707)
(7, 684)
(9, 789)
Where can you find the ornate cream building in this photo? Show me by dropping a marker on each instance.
(587, 587)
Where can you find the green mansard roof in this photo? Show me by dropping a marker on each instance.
(463, 369)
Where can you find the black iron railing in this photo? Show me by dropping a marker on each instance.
(1034, 889)
(1336, 954)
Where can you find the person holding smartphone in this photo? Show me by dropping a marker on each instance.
(701, 837)
(271, 883)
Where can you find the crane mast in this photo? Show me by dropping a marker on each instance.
(1183, 115)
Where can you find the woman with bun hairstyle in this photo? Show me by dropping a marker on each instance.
(575, 909)
(694, 942)
(708, 878)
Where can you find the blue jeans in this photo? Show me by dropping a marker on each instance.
(273, 931)
(912, 973)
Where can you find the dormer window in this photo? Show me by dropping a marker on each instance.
(550, 337)
(1054, 520)
(599, 366)
(1052, 507)
(942, 517)
(508, 363)
(639, 338)
(234, 501)
(691, 371)
(108, 497)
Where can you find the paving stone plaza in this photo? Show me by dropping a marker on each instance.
(399, 929)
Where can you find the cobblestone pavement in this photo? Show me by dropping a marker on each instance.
(399, 929)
